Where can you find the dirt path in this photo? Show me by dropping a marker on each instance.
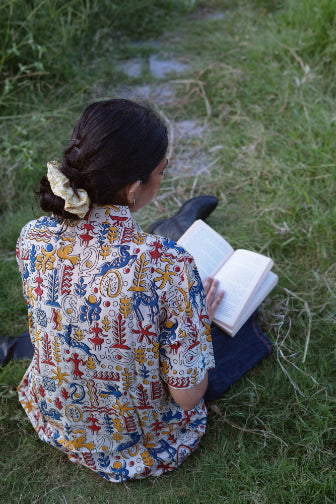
(167, 82)
(170, 76)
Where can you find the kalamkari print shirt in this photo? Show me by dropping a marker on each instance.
(115, 316)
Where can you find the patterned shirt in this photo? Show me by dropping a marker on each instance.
(115, 316)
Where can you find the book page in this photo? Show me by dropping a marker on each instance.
(240, 277)
(209, 249)
(265, 288)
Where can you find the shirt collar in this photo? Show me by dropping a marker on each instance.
(117, 214)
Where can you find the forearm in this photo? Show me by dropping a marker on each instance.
(189, 398)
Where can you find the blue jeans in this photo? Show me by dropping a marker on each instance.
(235, 356)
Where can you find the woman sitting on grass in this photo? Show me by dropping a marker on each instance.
(118, 317)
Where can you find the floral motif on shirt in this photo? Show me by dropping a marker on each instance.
(116, 316)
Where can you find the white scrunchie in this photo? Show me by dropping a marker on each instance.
(60, 186)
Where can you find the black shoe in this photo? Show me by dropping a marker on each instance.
(199, 207)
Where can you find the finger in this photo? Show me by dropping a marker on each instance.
(207, 284)
(212, 290)
(213, 305)
(217, 300)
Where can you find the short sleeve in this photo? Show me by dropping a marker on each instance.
(18, 251)
(23, 256)
(186, 351)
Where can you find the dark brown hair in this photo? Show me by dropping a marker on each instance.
(114, 142)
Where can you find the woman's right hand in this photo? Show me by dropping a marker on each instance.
(213, 297)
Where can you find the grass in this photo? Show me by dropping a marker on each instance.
(262, 82)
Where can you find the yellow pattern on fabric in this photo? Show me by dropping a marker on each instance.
(165, 276)
(64, 253)
(112, 332)
(125, 306)
(45, 260)
(105, 251)
(56, 348)
(112, 234)
(59, 375)
(139, 275)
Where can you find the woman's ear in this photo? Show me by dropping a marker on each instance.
(130, 190)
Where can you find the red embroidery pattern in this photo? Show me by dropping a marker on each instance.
(116, 317)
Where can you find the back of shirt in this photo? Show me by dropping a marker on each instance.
(115, 315)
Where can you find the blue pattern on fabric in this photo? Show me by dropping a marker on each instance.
(116, 316)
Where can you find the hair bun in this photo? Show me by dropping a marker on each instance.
(114, 143)
(49, 202)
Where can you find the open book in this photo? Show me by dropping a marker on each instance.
(245, 276)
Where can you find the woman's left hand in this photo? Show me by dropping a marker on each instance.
(213, 298)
